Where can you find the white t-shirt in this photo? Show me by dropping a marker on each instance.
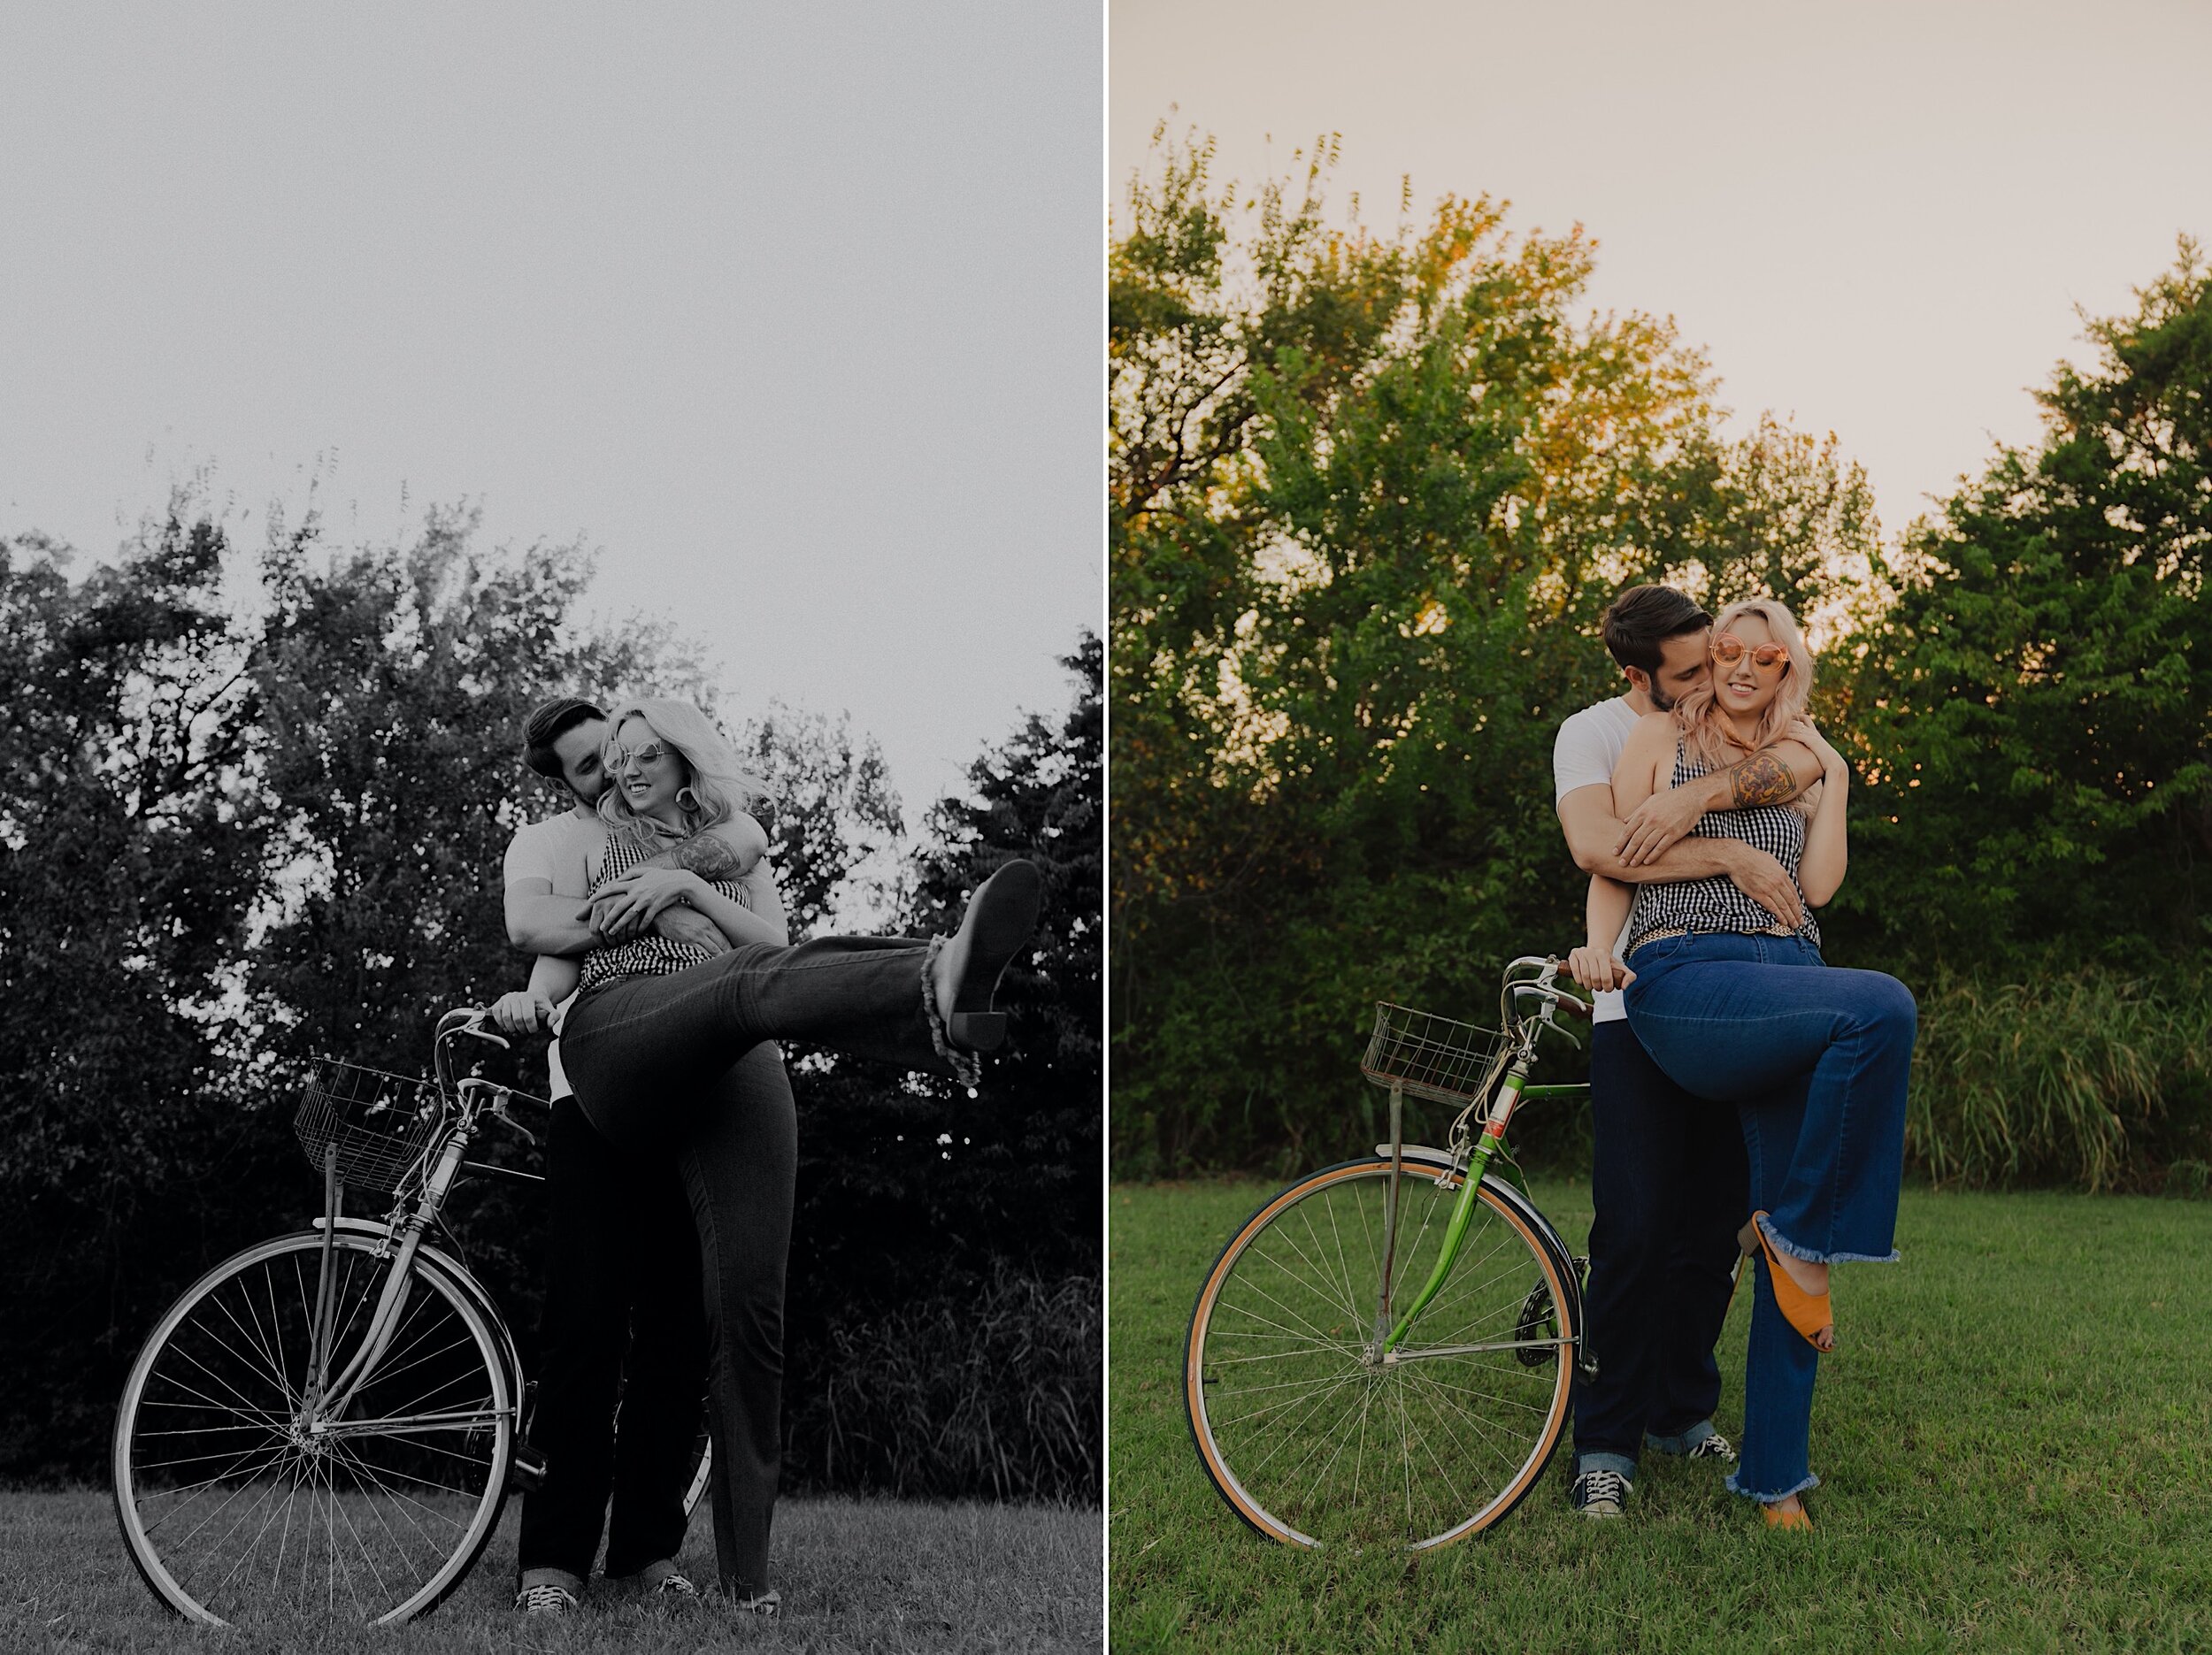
(559, 850)
(1589, 745)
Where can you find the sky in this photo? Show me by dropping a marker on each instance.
(1876, 217)
(792, 312)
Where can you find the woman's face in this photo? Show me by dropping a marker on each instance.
(647, 769)
(1743, 687)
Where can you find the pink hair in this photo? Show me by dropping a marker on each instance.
(1706, 730)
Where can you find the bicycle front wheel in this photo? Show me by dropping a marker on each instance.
(234, 1510)
(1311, 1435)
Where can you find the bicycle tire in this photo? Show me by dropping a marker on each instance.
(1306, 1452)
(379, 1524)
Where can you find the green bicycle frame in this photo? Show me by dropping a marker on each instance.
(1511, 1090)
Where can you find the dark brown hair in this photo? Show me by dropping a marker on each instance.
(1642, 618)
(548, 722)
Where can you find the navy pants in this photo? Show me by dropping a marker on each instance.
(1815, 1059)
(622, 1319)
(1669, 1184)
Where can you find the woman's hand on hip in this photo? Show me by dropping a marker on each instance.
(622, 908)
(522, 1012)
(1596, 968)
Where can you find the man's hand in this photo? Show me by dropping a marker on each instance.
(522, 1012)
(1762, 878)
(1657, 823)
(679, 923)
(622, 908)
(1596, 969)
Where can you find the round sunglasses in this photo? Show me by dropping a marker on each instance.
(1729, 649)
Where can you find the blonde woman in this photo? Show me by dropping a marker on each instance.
(1737, 1007)
(670, 1044)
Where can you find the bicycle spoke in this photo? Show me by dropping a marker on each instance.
(247, 1512)
(1329, 1441)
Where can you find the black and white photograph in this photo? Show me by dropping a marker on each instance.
(551, 899)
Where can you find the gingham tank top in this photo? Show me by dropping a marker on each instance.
(649, 955)
(1714, 904)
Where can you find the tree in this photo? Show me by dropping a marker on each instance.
(2037, 706)
(914, 1193)
(1369, 494)
(272, 801)
(130, 853)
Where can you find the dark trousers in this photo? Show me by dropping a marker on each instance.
(1668, 1182)
(622, 1318)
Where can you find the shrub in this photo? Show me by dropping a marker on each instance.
(992, 1392)
(2084, 1077)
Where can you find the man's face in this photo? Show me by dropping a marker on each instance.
(1683, 664)
(578, 750)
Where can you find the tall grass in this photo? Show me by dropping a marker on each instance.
(2083, 1077)
(994, 1391)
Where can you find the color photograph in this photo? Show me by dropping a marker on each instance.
(1660, 779)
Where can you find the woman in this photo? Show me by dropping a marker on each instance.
(667, 1042)
(1740, 1008)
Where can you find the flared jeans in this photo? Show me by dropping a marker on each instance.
(686, 1063)
(1814, 1058)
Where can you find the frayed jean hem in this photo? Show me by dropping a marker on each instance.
(1783, 1243)
(1811, 1482)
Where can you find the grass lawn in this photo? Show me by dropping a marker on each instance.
(855, 1574)
(2015, 1444)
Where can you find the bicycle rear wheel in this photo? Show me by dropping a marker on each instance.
(232, 1512)
(1314, 1443)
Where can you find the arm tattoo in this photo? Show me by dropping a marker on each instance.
(704, 855)
(708, 857)
(1761, 779)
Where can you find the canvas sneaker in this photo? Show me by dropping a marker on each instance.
(1600, 1493)
(674, 1585)
(546, 1600)
(1713, 1447)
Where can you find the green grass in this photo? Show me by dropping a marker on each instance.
(855, 1576)
(2015, 1445)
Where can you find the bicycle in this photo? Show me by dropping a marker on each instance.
(335, 1417)
(1385, 1349)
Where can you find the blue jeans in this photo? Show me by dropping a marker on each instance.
(1667, 1181)
(1814, 1058)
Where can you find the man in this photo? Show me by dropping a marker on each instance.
(1669, 1178)
(622, 1248)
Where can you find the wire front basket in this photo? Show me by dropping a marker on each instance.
(380, 1123)
(1429, 1056)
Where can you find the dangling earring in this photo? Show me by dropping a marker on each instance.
(687, 801)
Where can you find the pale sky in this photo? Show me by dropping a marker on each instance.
(791, 310)
(1878, 217)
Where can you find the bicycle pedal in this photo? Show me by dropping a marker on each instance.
(526, 1474)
